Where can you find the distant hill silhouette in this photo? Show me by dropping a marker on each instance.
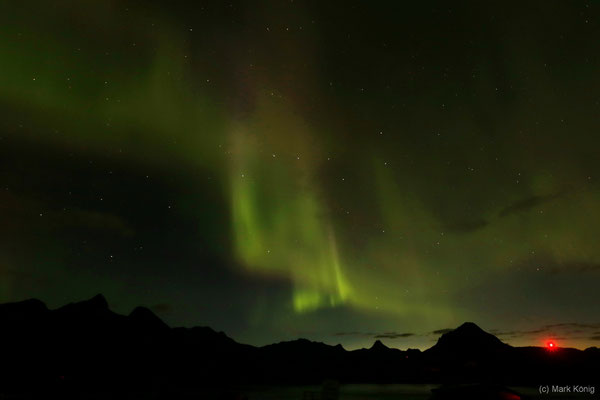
(467, 338)
(85, 345)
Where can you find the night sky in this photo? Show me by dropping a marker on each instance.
(335, 170)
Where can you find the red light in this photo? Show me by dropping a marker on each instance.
(551, 345)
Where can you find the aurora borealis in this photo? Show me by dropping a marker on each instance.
(333, 170)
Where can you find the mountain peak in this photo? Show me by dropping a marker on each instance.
(96, 304)
(29, 304)
(378, 345)
(98, 301)
(470, 327)
(468, 336)
(22, 310)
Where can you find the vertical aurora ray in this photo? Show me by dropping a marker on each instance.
(280, 228)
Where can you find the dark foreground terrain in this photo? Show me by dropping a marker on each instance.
(85, 347)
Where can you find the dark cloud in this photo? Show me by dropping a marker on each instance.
(529, 203)
(517, 333)
(575, 266)
(20, 207)
(595, 337)
(467, 226)
(384, 335)
(442, 331)
(349, 334)
(548, 264)
(393, 335)
(566, 329)
(100, 221)
(572, 325)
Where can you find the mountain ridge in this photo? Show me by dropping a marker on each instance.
(98, 303)
(84, 340)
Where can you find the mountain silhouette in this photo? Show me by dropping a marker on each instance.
(468, 337)
(378, 346)
(85, 345)
(467, 341)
